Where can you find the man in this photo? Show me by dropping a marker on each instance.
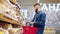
(39, 19)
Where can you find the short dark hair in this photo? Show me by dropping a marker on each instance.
(36, 4)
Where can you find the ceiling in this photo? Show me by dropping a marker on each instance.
(31, 2)
(26, 2)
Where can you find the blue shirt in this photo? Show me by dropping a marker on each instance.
(39, 19)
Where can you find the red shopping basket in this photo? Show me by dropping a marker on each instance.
(29, 30)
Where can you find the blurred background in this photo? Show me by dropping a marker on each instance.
(53, 17)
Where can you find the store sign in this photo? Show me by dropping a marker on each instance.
(50, 6)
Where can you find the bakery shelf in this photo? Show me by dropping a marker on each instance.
(8, 19)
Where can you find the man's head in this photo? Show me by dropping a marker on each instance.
(36, 6)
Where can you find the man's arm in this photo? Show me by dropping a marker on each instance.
(42, 19)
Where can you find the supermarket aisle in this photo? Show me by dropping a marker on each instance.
(9, 22)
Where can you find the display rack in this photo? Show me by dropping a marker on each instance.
(8, 19)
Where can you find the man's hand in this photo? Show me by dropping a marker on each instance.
(31, 23)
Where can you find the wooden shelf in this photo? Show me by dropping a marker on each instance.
(8, 20)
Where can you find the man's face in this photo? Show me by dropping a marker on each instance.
(36, 8)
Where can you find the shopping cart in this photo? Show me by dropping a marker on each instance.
(29, 30)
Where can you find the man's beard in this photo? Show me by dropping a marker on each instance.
(36, 10)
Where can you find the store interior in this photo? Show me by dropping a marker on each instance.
(11, 20)
(52, 22)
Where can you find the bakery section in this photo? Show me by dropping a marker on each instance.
(11, 18)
